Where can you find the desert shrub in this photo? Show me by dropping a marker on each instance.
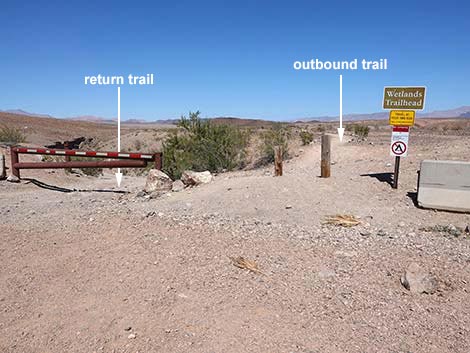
(138, 145)
(362, 131)
(306, 137)
(278, 135)
(203, 145)
(321, 128)
(11, 135)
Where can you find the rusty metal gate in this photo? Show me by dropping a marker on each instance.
(123, 159)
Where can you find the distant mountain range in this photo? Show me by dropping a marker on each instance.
(22, 112)
(461, 112)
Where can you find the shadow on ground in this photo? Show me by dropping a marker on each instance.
(66, 190)
(382, 177)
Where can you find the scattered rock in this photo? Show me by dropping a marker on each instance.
(141, 194)
(132, 336)
(190, 178)
(467, 229)
(128, 328)
(449, 229)
(417, 280)
(288, 207)
(157, 181)
(381, 233)
(13, 179)
(177, 186)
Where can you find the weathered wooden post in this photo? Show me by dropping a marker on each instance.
(277, 160)
(325, 156)
(3, 169)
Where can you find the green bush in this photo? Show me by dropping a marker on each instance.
(306, 137)
(278, 135)
(11, 135)
(362, 131)
(203, 145)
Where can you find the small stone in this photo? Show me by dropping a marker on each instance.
(402, 224)
(158, 182)
(13, 179)
(453, 230)
(389, 164)
(417, 280)
(364, 233)
(467, 229)
(141, 194)
(177, 186)
(128, 328)
(381, 233)
(191, 178)
(288, 207)
(132, 336)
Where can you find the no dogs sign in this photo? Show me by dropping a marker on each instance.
(399, 144)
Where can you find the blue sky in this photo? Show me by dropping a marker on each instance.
(229, 58)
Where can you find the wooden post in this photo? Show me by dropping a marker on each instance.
(3, 169)
(397, 171)
(325, 156)
(277, 160)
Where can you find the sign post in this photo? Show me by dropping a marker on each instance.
(399, 148)
(402, 98)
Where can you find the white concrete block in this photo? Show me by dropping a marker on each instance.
(444, 185)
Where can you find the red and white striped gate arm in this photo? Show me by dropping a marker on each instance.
(78, 153)
(131, 159)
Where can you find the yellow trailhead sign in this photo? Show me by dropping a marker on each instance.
(402, 117)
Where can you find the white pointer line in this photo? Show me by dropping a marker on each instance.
(119, 174)
(340, 129)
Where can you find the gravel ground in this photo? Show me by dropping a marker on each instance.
(114, 272)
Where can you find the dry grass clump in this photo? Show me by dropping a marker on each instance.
(245, 264)
(342, 220)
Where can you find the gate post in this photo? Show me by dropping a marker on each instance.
(14, 160)
(158, 161)
(3, 172)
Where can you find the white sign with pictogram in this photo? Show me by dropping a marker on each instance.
(399, 144)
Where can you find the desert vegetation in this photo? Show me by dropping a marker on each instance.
(202, 145)
(10, 134)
